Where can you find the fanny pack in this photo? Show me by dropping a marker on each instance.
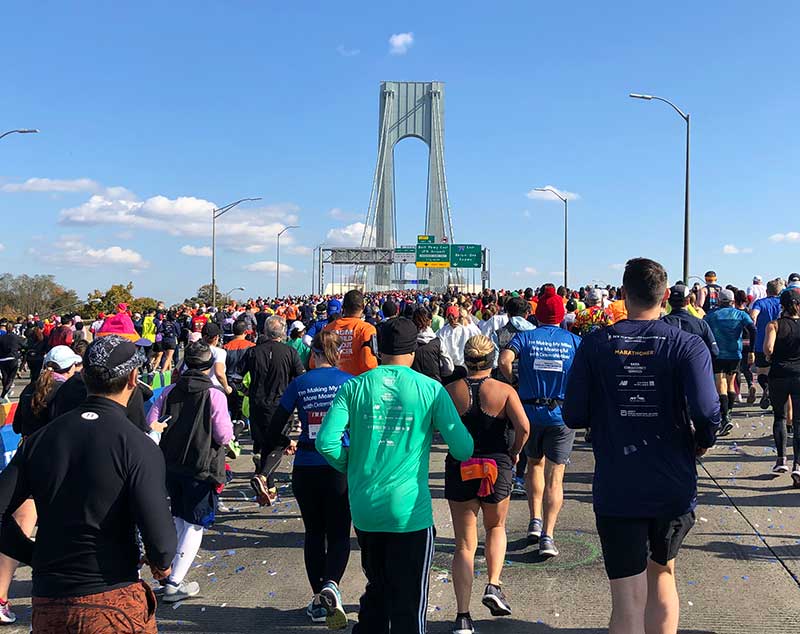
(550, 403)
(483, 469)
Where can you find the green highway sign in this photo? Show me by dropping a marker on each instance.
(435, 256)
(466, 256)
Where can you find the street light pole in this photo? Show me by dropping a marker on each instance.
(278, 260)
(566, 226)
(20, 131)
(216, 213)
(685, 116)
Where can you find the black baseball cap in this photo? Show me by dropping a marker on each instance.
(211, 330)
(678, 294)
(794, 277)
(117, 355)
(198, 356)
(398, 336)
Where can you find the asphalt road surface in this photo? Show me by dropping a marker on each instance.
(737, 572)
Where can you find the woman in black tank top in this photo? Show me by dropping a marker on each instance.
(493, 414)
(782, 349)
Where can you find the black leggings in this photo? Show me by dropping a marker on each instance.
(321, 494)
(8, 369)
(781, 389)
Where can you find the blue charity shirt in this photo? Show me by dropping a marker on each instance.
(639, 386)
(727, 324)
(312, 394)
(769, 310)
(545, 357)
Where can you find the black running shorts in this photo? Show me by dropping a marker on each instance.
(726, 366)
(457, 490)
(628, 542)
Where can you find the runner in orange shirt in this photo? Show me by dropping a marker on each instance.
(359, 339)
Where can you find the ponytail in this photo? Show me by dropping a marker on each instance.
(44, 385)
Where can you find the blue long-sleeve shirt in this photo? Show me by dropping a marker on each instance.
(639, 385)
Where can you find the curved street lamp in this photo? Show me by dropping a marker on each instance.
(685, 117)
(216, 213)
(564, 200)
(20, 131)
(278, 260)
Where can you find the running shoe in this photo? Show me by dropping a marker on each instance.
(547, 547)
(751, 395)
(780, 466)
(518, 487)
(173, 593)
(264, 496)
(234, 450)
(495, 600)
(534, 530)
(221, 508)
(764, 402)
(316, 612)
(464, 625)
(331, 599)
(726, 428)
(6, 615)
(796, 476)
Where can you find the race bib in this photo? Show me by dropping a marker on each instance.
(314, 423)
(548, 365)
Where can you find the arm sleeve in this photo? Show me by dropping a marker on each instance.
(576, 399)
(334, 425)
(701, 393)
(711, 341)
(221, 425)
(14, 490)
(148, 498)
(156, 408)
(446, 419)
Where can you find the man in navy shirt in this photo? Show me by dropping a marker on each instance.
(545, 357)
(765, 310)
(639, 385)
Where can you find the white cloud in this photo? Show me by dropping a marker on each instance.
(348, 236)
(299, 250)
(617, 267)
(534, 195)
(69, 250)
(340, 214)
(347, 52)
(399, 43)
(185, 216)
(732, 249)
(791, 236)
(267, 266)
(2, 247)
(203, 252)
(53, 185)
(530, 270)
(556, 273)
(250, 248)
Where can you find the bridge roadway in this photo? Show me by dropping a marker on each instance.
(736, 574)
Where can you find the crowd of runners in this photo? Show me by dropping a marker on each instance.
(354, 390)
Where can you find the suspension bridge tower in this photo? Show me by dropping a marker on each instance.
(408, 109)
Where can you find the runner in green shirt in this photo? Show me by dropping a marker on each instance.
(390, 414)
(296, 333)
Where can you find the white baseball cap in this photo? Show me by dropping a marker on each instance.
(63, 357)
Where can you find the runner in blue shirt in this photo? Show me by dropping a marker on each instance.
(545, 358)
(636, 384)
(728, 323)
(320, 490)
(764, 311)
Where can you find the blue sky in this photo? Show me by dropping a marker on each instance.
(152, 112)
